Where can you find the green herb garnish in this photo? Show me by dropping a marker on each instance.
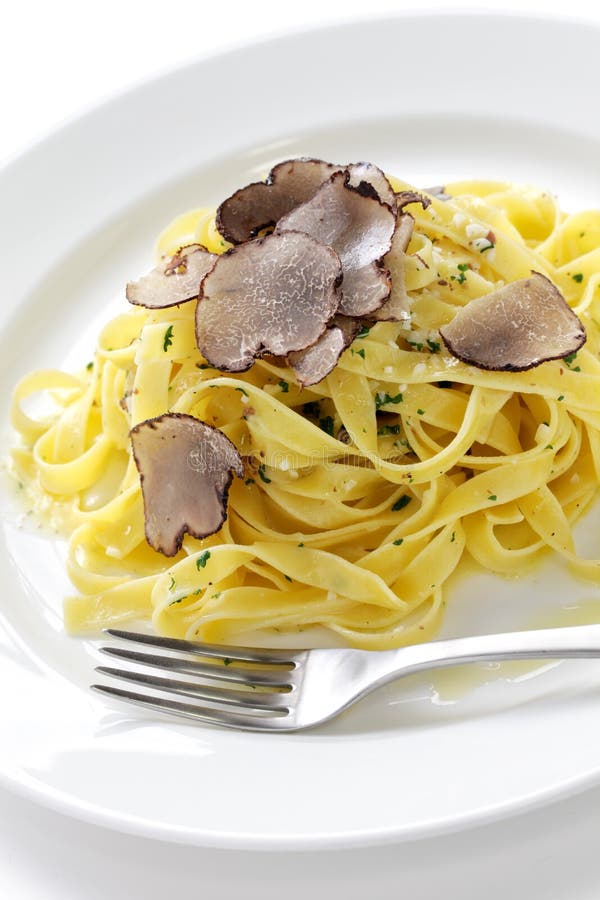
(381, 399)
(401, 502)
(168, 338)
(326, 424)
(312, 409)
(203, 559)
(263, 476)
(462, 268)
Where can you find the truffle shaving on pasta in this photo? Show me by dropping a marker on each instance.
(345, 369)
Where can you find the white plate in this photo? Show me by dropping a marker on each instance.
(428, 97)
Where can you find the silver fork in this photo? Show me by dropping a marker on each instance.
(288, 690)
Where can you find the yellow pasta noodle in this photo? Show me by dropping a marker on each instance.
(362, 493)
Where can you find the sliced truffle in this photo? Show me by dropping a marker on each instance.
(405, 198)
(396, 309)
(271, 295)
(263, 203)
(439, 192)
(186, 468)
(360, 230)
(369, 180)
(172, 282)
(515, 328)
(313, 364)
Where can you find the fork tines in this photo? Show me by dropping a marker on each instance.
(247, 688)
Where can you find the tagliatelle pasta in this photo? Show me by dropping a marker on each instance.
(362, 493)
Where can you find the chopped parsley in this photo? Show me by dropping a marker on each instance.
(326, 424)
(561, 397)
(453, 537)
(249, 481)
(301, 545)
(570, 359)
(398, 542)
(227, 661)
(578, 277)
(462, 268)
(360, 352)
(401, 502)
(263, 476)
(492, 497)
(416, 344)
(89, 366)
(242, 391)
(364, 331)
(434, 346)
(388, 429)
(312, 409)
(172, 585)
(284, 386)
(203, 559)
(168, 338)
(420, 412)
(381, 399)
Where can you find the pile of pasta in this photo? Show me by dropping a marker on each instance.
(363, 493)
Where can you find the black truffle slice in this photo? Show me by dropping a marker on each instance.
(271, 295)
(396, 308)
(173, 282)
(439, 192)
(369, 180)
(360, 230)
(263, 203)
(515, 328)
(186, 468)
(313, 364)
(405, 198)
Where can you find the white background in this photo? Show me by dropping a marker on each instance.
(58, 58)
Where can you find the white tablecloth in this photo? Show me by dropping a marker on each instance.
(57, 59)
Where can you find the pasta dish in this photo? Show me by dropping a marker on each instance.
(325, 394)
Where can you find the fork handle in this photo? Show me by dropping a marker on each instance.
(574, 642)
